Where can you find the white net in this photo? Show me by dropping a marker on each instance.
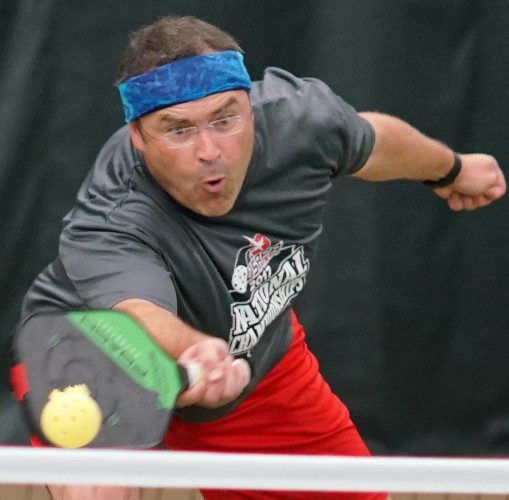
(164, 469)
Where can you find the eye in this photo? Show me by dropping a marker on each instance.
(180, 135)
(224, 122)
(178, 131)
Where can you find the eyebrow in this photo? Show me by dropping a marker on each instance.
(230, 102)
(173, 120)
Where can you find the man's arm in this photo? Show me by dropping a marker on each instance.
(402, 152)
(225, 378)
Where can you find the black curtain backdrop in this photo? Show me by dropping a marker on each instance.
(407, 306)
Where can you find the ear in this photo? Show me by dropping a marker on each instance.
(136, 138)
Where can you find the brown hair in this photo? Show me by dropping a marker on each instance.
(168, 39)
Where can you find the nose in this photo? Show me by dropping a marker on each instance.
(206, 148)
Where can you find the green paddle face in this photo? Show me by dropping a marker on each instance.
(133, 350)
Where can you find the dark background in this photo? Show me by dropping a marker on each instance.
(407, 306)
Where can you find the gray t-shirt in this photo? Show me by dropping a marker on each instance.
(232, 276)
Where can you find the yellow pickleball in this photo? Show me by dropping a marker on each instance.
(71, 418)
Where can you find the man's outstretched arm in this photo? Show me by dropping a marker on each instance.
(225, 378)
(402, 152)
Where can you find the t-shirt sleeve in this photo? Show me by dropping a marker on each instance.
(357, 139)
(108, 264)
(355, 135)
(303, 120)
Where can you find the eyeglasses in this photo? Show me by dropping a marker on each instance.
(187, 136)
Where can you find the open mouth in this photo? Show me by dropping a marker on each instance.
(214, 184)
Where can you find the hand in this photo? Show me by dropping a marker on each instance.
(225, 377)
(479, 183)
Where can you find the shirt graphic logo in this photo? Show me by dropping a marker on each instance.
(265, 279)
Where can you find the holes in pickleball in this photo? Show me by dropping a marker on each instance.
(71, 418)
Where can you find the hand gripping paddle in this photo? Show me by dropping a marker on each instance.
(96, 378)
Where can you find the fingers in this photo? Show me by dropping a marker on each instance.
(207, 351)
(243, 371)
(455, 202)
(192, 395)
(468, 202)
(498, 189)
(238, 380)
(481, 201)
(236, 377)
(225, 378)
(443, 192)
(209, 354)
(459, 202)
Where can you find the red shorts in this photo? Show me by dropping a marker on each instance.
(292, 411)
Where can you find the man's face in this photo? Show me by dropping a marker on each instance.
(206, 176)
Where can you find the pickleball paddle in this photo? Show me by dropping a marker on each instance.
(96, 378)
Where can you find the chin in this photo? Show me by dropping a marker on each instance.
(215, 207)
(215, 210)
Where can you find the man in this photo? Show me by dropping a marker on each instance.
(200, 219)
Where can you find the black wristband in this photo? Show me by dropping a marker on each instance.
(449, 178)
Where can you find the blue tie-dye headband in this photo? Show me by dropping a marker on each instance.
(182, 81)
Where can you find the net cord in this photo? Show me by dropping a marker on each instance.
(165, 469)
